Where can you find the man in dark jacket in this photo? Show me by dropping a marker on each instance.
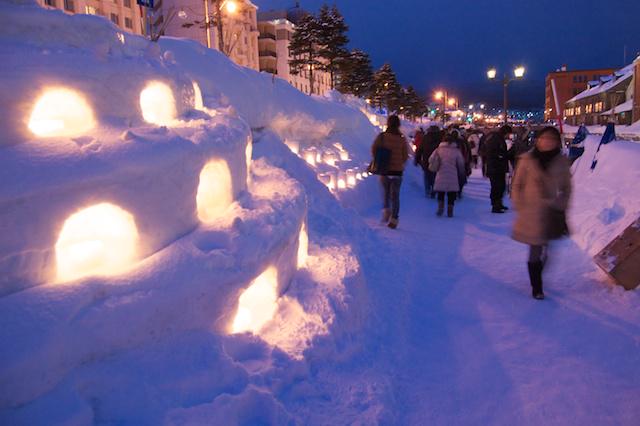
(429, 144)
(497, 166)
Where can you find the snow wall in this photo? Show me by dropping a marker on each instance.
(606, 200)
(185, 275)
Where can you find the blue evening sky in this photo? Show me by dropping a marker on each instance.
(447, 43)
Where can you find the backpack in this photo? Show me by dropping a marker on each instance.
(381, 160)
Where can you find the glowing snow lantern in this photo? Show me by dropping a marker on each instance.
(359, 176)
(198, 103)
(310, 156)
(215, 192)
(61, 112)
(293, 146)
(99, 240)
(303, 246)
(248, 154)
(158, 104)
(351, 178)
(257, 304)
(325, 178)
(342, 183)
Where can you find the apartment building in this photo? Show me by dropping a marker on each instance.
(126, 14)
(276, 30)
(186, 18)
(611, 98)
(568, 84)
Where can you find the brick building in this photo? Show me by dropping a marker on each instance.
(636, 95)
(611, 98)
(568, 85)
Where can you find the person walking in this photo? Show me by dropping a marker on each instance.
(497, 166)
(429, 144)
(448, 164)
(465, 150)
(474, 141)
(541, 192)
(391, 178)
(482, 152)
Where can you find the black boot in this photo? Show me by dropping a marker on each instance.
(535, 275)
(450, 210)
(440, 208)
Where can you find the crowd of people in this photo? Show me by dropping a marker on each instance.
(529, 164)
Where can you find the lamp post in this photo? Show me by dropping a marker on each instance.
(443, 95)
(218, 5)
(518, 73)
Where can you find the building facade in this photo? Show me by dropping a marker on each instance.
(568, 84)
(276, 30)
(186, 18)
(126, 14)
(611, 98)
(636, 91)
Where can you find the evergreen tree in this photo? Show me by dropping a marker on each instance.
(387, 92)
(304, 48)
(356, 74)
(332, 40)
(413, 105)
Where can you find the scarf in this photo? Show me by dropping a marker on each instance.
(545, 157)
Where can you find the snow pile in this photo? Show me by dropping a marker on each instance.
(605, 201)
(142, 245)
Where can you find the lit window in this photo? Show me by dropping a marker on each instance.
(90, 10)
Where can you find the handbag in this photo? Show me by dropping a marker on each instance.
(434, 162)
(381, 159)
(557, 227)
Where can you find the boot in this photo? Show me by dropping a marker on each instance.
(535, 275)
(386, 215)
(393, 223)
(440, 208)
(450, 210)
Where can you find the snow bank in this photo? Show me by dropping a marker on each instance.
(606, 199)
(132, 139)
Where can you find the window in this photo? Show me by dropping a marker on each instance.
(90, 10)
(588, 109)
(599, 106)
(51, 3)
(575, 78)
(128, 23)
(126, 3)
(578, 110)
(115, 19)
(69, 6)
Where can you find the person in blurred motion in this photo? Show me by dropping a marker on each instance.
(541, 192)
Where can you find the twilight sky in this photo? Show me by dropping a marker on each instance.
(451, 43)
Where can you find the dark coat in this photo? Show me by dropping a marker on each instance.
(495, 150)
(429, 144)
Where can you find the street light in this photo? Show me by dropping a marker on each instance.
(231, 6)
(518, 73)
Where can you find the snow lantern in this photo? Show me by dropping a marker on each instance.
(61, 112)
(98, 240)
(294, 146)
(303, 246)
(257, 304)
(158, 104)
(198, 102)
(248, 153)
(215, 193)
(310, 156)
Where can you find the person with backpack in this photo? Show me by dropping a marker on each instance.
(541, 192)
(429, 144)
(497, 166)
(448, 164)
(390, 152)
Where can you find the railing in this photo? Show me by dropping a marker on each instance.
(267, 36)
(267, 53)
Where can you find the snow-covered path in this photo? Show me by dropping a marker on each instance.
(462, 342)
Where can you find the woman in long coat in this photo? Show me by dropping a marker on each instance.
(541, 192)
(448, 164)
